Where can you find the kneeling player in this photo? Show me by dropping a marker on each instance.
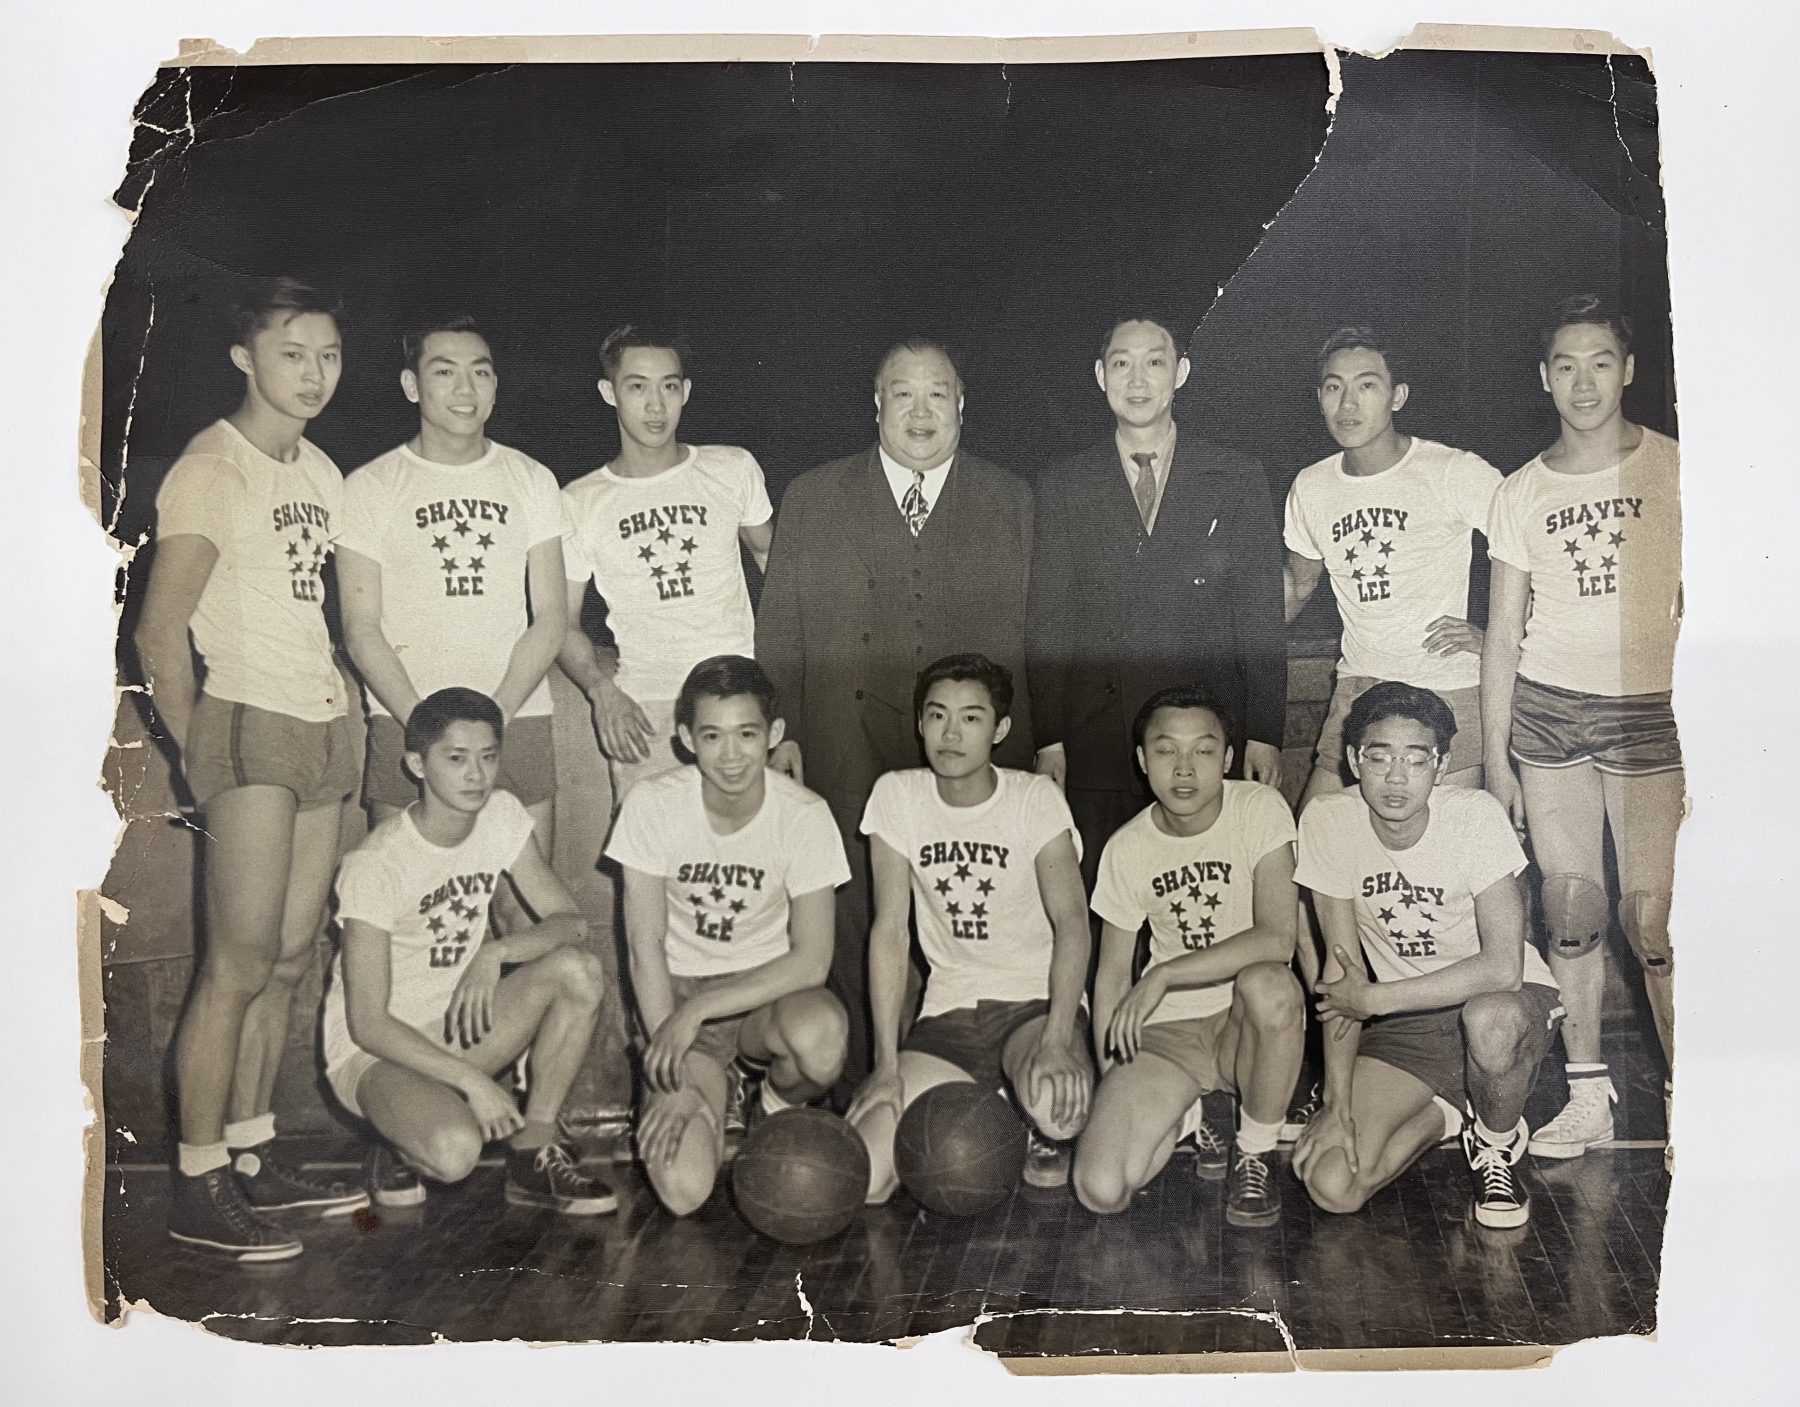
(422, 1013)
(987, 861)
(1462, 1008)
(729, 913)
(1210, 866)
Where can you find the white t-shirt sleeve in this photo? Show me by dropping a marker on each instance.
(818, 851)
(883, 816)
(515, 826)
(364, 497)
(634, 835)
(756, 508)
(577, 565)
(369, 891)
(1047, 814)
(1322, 849)
(1295, 531)
(1116, 899)
(1506, 533)
(546, 516)
(200, 498)
(1492, 847)
(1469, 487)
(1269, 824)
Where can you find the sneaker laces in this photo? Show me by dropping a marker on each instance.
(228, 1201)
(1253, 1174)
(1208, 1139)
(1495, 1170)
(274, 1163)
(1588, 1097)
(554, 1162)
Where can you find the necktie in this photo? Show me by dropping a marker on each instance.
(914, 506)
(1145, 488)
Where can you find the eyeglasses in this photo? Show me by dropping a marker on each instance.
(1416, 759)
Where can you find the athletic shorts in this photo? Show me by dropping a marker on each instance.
(973, 1038)
(1429, 1045)
(720, 1040)
(345, 1077)
(527, 762)
(1631, 736)
(1192, 1044)
(1465, 705)
(232, 745)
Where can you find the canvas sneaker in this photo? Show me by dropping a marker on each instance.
(1301, 1113)
(1499, 1199)
(1212, 1149)
(547, 1177)
(1585, 1120)
(1252, 1197)
(209, 1213)
(1047, 1163)
(390, 1179)
(272, 1184)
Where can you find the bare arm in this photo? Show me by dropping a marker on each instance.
(757, 539)
(1299, 579)
(560, 924)
(1332, 1128)
(359, 579)
(621, 726)
(178, 575)
(368, 982)
(1112, 979)
(1059, 888)
(536, 650)
(1498, 965)
(646, 919)
(888, 948)
(1509, 598)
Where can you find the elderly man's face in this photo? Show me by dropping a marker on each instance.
(918, 404)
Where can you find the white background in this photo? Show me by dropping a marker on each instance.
(1728, 1302)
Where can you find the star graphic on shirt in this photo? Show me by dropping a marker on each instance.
(1424, 933)
(1616, 539)
(683, 568)
(449, 564)
(306, 534)
(441, 544)
(697, 900)
(485, 541)
(477, 564)
(1410, 900)
(463, 529)
(298, 569)
(435, 923)
(1357, 575)
(665, 535)
(462, 936)
(1195, 892)
(1387, 915)
(979, 910)
(688, 544)
(738, 906)
(1206, 924)
(1177, 908)
(647, 552)
(1350, 555)
(1381, 571)
(986, 886)
(942, 886)
(293, 549)
(1367, 536)
(1571, 546)
(1608, 563)
(953, 908)
(1386, 548)
(1593, 530)
(1212, 901)
(659, 572)
(1581, 564)
(962, 872)
(718, 895)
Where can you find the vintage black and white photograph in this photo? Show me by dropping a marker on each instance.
(842, 698)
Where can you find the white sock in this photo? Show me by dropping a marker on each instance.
(197, 1158)
(1493, 1139)
(250, 1133)
(1253, 1137)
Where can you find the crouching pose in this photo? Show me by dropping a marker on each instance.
(425, 1007)
(1210, 866)
(729, 871)
(1423, 880)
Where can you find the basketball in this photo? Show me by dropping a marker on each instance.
(960, 1149)
(801, 1176)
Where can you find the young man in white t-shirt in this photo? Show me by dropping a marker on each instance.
(1209, 866)
(1422, 880)
(658, 530)
(426, 1007)
(1584, 607)
(451, 563)
(729, 916)
(987, 861)
(245, 521)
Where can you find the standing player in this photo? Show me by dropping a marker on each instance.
(1423, 880)
(658, 529)
(452, 570)
(245, 520)
(1390, 519)
(419, 1018)
(1209, 864)
(729, 871)
(987, 861)
(1584, 606)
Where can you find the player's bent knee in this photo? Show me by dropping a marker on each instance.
(576, 974)
(1645, 918)
(684, 1185)
(1333, 1187)
(1270, 995)
(1576, 913)
(816, 1031)
(448, 1153)
(1495, 1026)
(1100, 1184)
(235, 971)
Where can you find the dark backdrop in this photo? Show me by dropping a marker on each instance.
(790, 221)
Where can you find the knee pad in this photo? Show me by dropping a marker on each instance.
(1645, 918)
(1577, 913)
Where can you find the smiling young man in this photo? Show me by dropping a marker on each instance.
(659, 530)
(1584, 607)
(1422, 881)
(729, 871)
(451, 564)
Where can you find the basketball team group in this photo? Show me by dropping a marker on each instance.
(985, 791)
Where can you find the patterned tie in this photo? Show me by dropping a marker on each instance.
(914, 506)
(1145, 488)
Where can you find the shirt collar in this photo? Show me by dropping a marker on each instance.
(900, 478)
(1159, 468)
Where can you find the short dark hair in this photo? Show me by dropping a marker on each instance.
(1585, 308)
(968, 668)
(1391, 699)
(412, 344)
(919, 346)
(432, 716)
(1349, 338)
(621, 340)
(725, 677)
(282, 299)
(1155, 319)
(1183, 696)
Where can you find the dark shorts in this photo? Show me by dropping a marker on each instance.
(973, 1038)
(232, 745)
(1465, 706)
(1191, 1045)
(1632, 736)
(1429, 1045)
(527, 762)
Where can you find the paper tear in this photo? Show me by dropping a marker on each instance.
(805, 1304)
(1612, 102)
(114, 911)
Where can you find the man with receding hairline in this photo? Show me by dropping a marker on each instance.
(882, 562)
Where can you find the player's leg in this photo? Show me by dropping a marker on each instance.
(1259, 1050)
(528, 771)
(1464, 765)
(685, 1179)
(877, 1127)
(1507, 1034)
(1037, 1102)
(799, 1041)
(1566, 811)
(426, 1122)
(1645, 814)
(1132, 1129)
(1396, 1117)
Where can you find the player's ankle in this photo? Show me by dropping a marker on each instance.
(535, 1134)
(1256, 1137)
(195, 1159)
(250, 1133)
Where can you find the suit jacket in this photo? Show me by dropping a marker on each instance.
(1118, 614)
(853, 606)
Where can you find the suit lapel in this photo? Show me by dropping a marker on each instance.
(870, 518)
(1117, 523)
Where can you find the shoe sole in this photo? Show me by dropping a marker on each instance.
(1043, 1182)
(1564, 1150)
(324, 1206)
(1252, 1220)
(409, 1197)
(1208, 1172)
(567, 1206)
(247, 1255)
(1502, 1220)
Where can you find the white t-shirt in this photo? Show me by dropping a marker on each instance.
(432, 902)
(727, 895)
(976, 906)
(452, 542)
(663, 552)
(1194, 890)
(1415, 908)
(260, 624)
(1396, 546)
(1604, 554)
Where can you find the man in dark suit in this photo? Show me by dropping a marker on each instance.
(1157, 563)
(883, 562)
